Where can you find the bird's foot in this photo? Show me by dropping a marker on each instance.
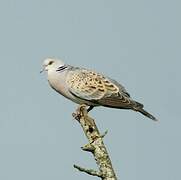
(80, 112)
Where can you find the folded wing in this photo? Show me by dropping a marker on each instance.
(92, 86)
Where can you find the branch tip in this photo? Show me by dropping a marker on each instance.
(88, 147)
(105, 133)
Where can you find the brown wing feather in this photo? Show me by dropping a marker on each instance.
(90, 85)
(120, 102)
(123, 102)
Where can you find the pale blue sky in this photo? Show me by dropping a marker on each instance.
(135, 42)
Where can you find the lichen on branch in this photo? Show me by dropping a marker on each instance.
(95, 146)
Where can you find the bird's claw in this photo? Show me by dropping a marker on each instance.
(76, 116)
(80, 112)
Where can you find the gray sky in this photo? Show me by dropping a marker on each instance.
(135, 42)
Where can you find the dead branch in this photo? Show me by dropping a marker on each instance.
(95, 146)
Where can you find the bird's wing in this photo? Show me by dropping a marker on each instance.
(95, 87)
(121, 100)
(89, 85)
(122, 89)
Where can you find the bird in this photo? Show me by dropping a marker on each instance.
(84, 86)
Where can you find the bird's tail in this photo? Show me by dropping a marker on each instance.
(140, 109)
(125, 103)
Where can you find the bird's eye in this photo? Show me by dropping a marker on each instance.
(51, 62)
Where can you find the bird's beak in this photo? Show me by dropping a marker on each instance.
(42, 70)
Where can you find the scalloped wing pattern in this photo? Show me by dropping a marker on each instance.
(90, 85)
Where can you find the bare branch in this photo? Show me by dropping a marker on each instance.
(88, 147)
(95, 146)
(89, 171)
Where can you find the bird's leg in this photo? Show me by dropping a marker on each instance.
(91, 121)
(81, 112)
(90, 108)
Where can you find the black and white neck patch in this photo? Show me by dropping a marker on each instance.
(61, 68)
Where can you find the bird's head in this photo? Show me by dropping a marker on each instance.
(50, 63)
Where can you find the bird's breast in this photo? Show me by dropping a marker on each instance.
(57, 82)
